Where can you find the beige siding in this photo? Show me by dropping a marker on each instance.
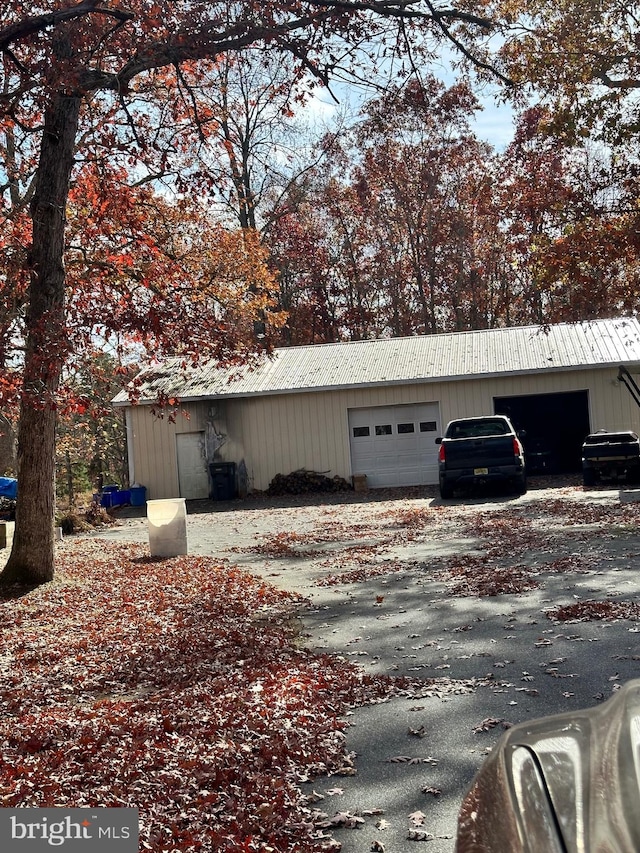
(154, 443)
(281, 433)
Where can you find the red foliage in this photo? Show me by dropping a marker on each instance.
(176, 687)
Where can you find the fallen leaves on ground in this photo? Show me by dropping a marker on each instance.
(418, 520)
(491, 723)
(283, 546)
(340, 819)
(429, 789)
(410, 759)
(419, 732)
(363, 572)
(584, 611)
(478, 576)
(419, 835)
(518, 532)
(173, 686)
(584, 513)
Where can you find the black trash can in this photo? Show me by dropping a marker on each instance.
(223, 480)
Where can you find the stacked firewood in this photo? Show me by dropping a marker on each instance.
(302, 481)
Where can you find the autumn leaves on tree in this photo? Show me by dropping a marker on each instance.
(150, 203)
(88, 86)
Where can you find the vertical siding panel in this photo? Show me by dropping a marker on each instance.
(613, 407)
(236, 413)
(279, 433)
(314, 434)
(156, 465)
(266, 422)
(240, 414)
(143, 444)
(293, 433)
(306, 434)
(310, 429)
(339, 430)
(168, 483)
(282, 415)
(289, 430)
(258, 436)
(249, 415)
(328, 412)
(260, 426)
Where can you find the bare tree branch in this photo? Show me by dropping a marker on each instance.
(37, 23)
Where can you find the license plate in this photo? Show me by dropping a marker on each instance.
(480, 471)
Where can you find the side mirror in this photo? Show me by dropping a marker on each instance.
(540, 789)
(439, 440)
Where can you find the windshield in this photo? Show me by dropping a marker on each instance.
(478, 429)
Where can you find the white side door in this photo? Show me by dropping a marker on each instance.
(193, 476)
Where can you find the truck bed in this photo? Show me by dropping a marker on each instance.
(610, 456)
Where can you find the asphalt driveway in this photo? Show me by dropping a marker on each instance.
(490, 605)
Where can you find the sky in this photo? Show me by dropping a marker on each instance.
(493, 124)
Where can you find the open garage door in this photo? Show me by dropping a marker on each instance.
(555, 426)
(395, 445)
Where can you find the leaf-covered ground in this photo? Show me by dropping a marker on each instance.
(181, 687)
(177, 687)
(499, 536)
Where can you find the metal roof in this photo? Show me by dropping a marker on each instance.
(427, 358)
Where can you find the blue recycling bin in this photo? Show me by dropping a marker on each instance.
(138, 495)
(108, 497)
(122, 497)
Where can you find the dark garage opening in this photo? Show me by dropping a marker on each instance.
(555, 426)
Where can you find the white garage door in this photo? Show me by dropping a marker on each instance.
(193, 477)
(395, 445)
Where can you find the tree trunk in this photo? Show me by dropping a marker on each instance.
(31, 561)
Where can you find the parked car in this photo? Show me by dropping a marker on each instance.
(480, 451)
(563, 783)
(610, 456)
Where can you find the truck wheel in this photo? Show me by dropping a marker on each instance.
(588, 478)
(521, 485)
(446, 491)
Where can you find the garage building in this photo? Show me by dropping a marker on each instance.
(376, 407)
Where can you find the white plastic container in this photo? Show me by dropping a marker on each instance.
(167, 522)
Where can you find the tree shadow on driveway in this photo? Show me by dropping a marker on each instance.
(403, 614)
